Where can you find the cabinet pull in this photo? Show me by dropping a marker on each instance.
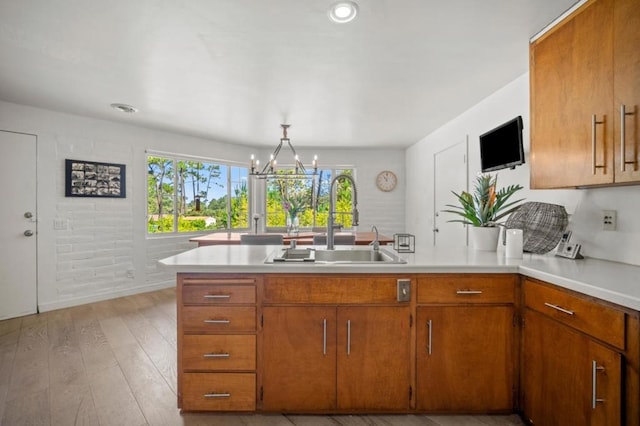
(324, 336)
(429, 326)
(217, 296)
(623, 137)
(213, 321)
(594, 123)
(558, 308)
(463, 292)
(212, 355)
(594, 389)
(217, 395)
(348, 337)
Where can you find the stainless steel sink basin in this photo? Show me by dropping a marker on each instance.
(343, 256)
(292, 255)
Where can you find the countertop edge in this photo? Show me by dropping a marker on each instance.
(613, 282)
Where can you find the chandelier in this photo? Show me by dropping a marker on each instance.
(270, 169)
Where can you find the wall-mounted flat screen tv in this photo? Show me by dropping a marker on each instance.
(501, 147)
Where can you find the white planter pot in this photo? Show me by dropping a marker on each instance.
(484, 238)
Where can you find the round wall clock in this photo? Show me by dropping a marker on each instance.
(386, 181)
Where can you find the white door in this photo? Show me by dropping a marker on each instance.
(450, 174)
(18, 228)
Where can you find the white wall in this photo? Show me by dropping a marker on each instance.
(584, 205)
(106, 238)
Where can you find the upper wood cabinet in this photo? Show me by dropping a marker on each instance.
(585, 93)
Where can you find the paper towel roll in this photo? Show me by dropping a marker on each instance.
(514, 243)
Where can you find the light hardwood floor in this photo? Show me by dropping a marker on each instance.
(114, 363)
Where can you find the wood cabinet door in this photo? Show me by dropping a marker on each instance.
(373, 358)
(559, 373)
(465, 358)
(299, 359)
(627, 89)
(571, 80)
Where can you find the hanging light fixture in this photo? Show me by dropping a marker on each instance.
(270, 169)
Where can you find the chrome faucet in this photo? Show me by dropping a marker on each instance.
(330, 219)
(375, 243)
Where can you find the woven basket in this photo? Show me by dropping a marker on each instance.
(542, 225)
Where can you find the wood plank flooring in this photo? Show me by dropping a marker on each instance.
(114, 363)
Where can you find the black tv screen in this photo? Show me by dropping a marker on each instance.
(501, 147)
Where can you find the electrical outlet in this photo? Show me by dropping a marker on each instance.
(609, 220)
(404, 290)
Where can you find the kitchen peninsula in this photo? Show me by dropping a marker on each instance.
(449, 331)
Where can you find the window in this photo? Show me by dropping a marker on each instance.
(191, 195)
(309, 198)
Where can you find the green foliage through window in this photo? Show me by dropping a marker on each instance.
(195, 196)
(309, 198)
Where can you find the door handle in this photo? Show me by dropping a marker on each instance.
(594, 123)
(348, 337)
(623, 137)
(594, 384)
(28, 233)
(429, 336)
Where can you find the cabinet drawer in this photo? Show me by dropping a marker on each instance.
(218, 352)
(330, 289)
(600, 321)
(218, 319)
(467, 288)
(219, 392)
(214, 294)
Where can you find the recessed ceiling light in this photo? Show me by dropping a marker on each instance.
(127, 109)
(343, 11)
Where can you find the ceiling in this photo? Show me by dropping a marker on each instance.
(233, 70)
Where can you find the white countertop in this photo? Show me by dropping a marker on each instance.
(614, 282)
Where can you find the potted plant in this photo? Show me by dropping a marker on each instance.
(484, 209)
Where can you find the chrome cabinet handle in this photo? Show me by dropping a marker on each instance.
(324, 337)
(558, 308)
(217, 395)
(222, 321)
(217, 296)
(212, 355)
(623, 137)
(348, 337)
(594, 382)
(28, 233)
(594, 122)
(463, 292)
(429, 326)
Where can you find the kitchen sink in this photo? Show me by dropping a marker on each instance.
(342, 256)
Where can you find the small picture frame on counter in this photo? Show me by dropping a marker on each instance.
(404, 243)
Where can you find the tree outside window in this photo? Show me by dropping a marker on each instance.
(311, 196)
(193, 196)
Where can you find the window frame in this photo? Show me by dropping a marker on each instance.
(335, 171)
(175, 158)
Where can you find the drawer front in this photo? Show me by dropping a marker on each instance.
(219, 392)
(600, 321)
(218, 294)
(218, 352)
(218, 319)
(330, 289)
(467, 288)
